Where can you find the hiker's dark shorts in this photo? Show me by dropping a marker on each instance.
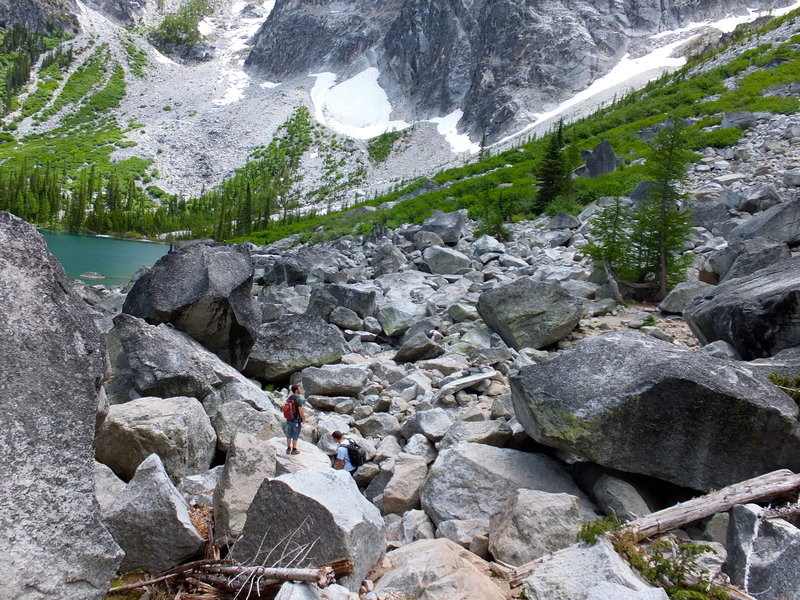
(292, 430)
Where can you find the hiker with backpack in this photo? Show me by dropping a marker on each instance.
(295, 417)
(349, 455)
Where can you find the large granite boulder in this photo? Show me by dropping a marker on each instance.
(334, 380)
(759, 315)
(763, 554)
(320, 508)
(528, 313)
(600, 160)
(780, 223)
(448, 226)
(401, 493)
(631, 402)
(292, 343)
(151, 521)
(577, 572)
(404, 300)
(233, 418)
(167, 363)
(320, 262)
(204, 290)
(531, 524)
(176, 429)
(361, 299)
(53, 544)
(682, 294)
(434, 570)
(472, 481)
(446, 261)
(249, 462)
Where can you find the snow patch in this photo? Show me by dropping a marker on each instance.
(628, 69)
(357, 107)
(447, 127)
(205, 27)
(268, 84)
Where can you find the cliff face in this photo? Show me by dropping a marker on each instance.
(41, 15)
(494, 59)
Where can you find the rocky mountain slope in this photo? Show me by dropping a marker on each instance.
(545, 403)
(435, 65)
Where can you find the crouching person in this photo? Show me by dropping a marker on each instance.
(343, 454)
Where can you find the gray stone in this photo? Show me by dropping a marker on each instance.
(491, 433)
(298, 591)
(151, 521)
(681, 295)
(446, 261)
(237, 417)
(387, 258)
(448, 226)
(310, 457)
(402, 491)
(486, 244)
(706, 422)
(601, 160)
(107, 487)
(759, 314)
(404, 300)
(615, 496)
(421, 446)
(379, 425)
(337, 522)
(740, 118)
(574, 573)
(249, 462)
(755, 254)
(203, 290)
(199, 488)
(344, 318)
(319, 262)
(425, 239)
(418, 347)
(471, 481)
(416, 525)
(763, 555)
(528, 313)
(361, 299)
(564, 221)
(791, 178)
(436, 570)
(780, 223)
(291, 344)
(462, 312)
(758, 198)
(615, 591)
(464, 532)
(334, 380)
(168, 363)
(433, 424)
(531, 524)
(176, 429)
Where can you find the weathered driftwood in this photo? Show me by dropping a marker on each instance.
(246, 581)
(764, 486)
(772, 484)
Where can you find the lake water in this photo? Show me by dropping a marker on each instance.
(116, 259)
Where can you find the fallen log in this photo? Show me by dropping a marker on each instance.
(775, 483)
(764, 486)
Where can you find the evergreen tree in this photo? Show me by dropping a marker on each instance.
(644, 249)
(552, 175)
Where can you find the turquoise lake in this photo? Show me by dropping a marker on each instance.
(116, 259)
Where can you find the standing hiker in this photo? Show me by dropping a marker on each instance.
(295, 417)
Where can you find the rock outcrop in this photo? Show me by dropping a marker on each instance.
(205, 291)
(321, 509)
(705, 422)
(53, 543)
(759, 315)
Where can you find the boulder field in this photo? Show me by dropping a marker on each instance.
(500, 393)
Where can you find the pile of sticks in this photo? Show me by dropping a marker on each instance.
(227, 579)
